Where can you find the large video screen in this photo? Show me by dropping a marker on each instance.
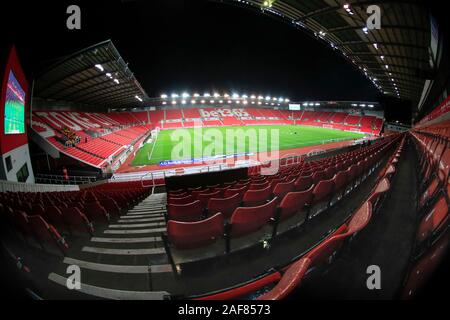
(14, 107)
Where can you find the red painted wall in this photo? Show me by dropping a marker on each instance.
(12, 141)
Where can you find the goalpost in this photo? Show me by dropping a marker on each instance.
(154, 139)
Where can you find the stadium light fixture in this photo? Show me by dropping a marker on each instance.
(244, 96)
(280, 100)
(238, 102)
(386, 66)
(226, 95)
(100, 67)
(365, 30)
(202, 102)
(220, 101)
(183, 101)
(268, 98)
(287, 100)
(164, 103)
(229, 101)
(138, 98)
(207, 95)
(253, 97)
(245, 102)
(109, 75)
(164, 96)
(216, 95)
(185, 95)
(174, 102)
(117, 81)
(268, 3)
(375, 45)
(193, 101)
(259, 103)
(174, 95)
(260, 98)
(196, 95)
(212, 101)
(317, 104)
(235, 96)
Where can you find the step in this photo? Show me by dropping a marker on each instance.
(125, 252)
(118, 268)
(113, 294)
(126, 240)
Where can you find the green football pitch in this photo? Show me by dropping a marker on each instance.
(187, 144)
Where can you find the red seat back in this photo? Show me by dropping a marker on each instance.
(283, 188)
(185, 212)
(192, 235)
(247, 220)
(257, 197)
(77, 221)
(231, 192)
(322, 190)
(180, 201)
(204, 197)
(294, 202)
(226, 206)
(303, 183)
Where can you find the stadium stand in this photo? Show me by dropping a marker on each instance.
(96, 138)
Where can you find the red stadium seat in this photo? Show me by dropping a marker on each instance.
(226, 206)
(231, 192)
(322, 195)
(95, 212)
(247, 220)
(254, 198)
(283, 188)
(110, 206)
(259, 186)
(340, 182)
(318, 176)
(45, 233)
(303, 183)
(193, 235)
(434, 220)
(77, 221)
(54, 216)
(190, 212)
(295, 202)
(20, 220)
(204, 197)
(180, 201)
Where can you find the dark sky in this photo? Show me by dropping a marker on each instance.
(195, 45)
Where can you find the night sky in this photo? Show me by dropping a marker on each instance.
(193, 45)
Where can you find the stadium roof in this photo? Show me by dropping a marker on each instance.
(393, 57)
(96, 76)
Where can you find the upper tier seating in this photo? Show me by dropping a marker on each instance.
(99, 136)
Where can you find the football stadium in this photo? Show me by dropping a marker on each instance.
(207, 163)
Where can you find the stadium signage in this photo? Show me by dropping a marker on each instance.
(203, 159)
(224, 113)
